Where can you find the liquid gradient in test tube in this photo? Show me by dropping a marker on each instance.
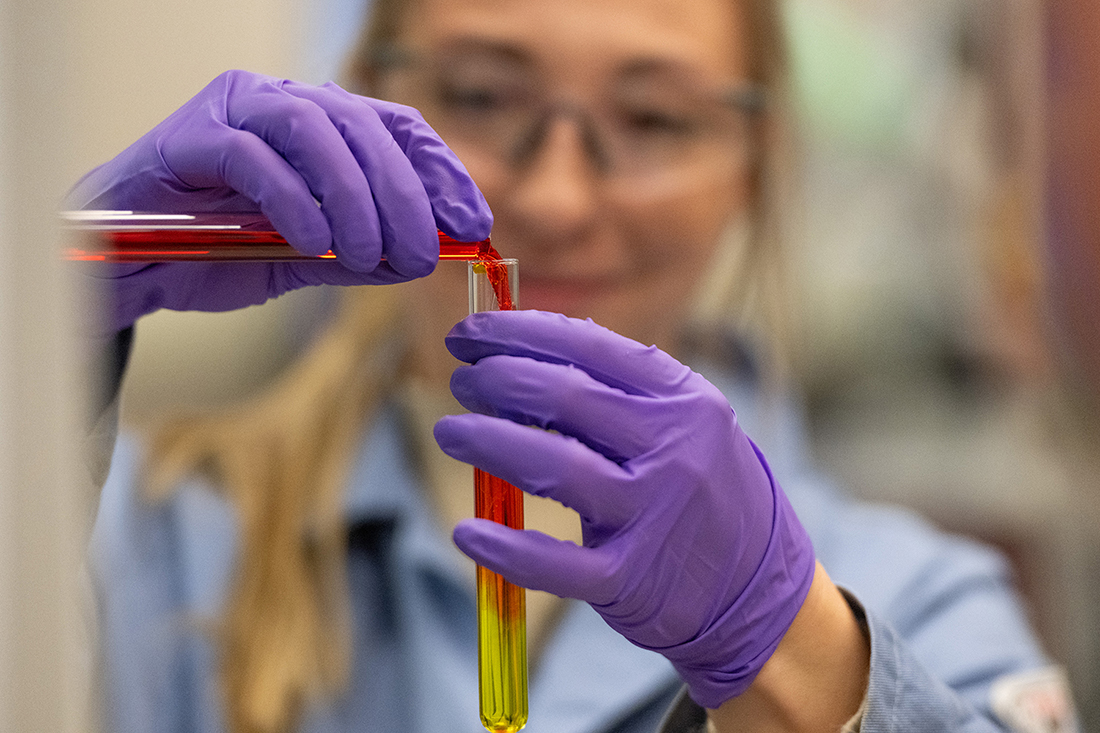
(501, 606)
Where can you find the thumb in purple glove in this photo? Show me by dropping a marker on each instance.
(690, 548)
(331, 170)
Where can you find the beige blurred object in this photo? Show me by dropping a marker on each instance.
(45, 492)
(136, 63)
(194, 361)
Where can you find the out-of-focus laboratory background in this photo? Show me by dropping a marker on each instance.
(916, 270)
(926, 353)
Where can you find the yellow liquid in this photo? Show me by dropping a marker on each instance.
(502, 652)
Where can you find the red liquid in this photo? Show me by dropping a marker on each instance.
(498, 500)
(495, 498)
(240, 238)
(502, 609)
(497, 275)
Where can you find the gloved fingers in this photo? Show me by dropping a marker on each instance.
(202, 158)
(405, 213)
(555, 466)
(287, 276)
(562, 398)
(535, 560)
(302, 133)
(460, 209)
(551, 337)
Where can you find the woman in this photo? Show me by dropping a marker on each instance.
(623, 146)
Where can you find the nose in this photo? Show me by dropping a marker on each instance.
(555, 191)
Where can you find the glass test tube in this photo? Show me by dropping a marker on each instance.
(501, 606)
(126, 236)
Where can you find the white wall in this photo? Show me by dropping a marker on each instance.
(78, 82)
(43, 496)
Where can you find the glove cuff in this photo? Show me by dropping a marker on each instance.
(722, 662)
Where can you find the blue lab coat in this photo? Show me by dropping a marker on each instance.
(943, 619)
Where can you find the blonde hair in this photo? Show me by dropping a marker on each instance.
(282, 458)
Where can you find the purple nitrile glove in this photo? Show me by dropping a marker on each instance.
(383, 179)
(690, 546)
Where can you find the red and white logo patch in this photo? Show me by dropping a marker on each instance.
(1038, 701)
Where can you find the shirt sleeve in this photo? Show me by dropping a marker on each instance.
(902, 695)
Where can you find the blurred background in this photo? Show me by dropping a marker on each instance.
(932, 374)
(923, 347)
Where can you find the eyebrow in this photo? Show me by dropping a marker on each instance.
(512, 52)
(661, 68)
(396, 55)
(479, 45)
(651, 65)
(641, 68)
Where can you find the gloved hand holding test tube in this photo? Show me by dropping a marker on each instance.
(690, 547)
(128, 237)
(367, 180)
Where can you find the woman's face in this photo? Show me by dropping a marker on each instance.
(602, 137)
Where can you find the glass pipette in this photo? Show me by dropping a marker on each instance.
(126, 236)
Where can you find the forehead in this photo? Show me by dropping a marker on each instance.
(589, 35)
